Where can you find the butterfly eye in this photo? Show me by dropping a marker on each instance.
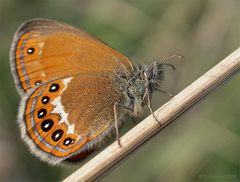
(46, 125)
(30, 50)
(57, 135)
(45, 99)
(68, 141)
(42, 113)
(54, 87)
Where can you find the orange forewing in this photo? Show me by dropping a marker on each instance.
(59, 50)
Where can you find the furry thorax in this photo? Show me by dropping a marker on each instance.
(136, 84)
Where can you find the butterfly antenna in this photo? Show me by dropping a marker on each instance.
(174, 56)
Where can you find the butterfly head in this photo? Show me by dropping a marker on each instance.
(139, 84)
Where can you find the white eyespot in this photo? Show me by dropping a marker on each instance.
(67, 142)
(45, 99)
(30, 50)
(46, 125)
(39, 82)
(54, 87)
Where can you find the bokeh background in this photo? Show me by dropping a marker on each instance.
(203, 145)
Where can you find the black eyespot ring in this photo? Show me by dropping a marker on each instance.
(57, 135)
(47, 125)
(68, 141)
(54, 87)
(42, 113)
(38, 82)
(30, 50)
(45, 99)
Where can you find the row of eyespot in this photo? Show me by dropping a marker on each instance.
(31, 50)
(47, 124)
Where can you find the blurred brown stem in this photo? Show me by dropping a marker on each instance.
(104, 162)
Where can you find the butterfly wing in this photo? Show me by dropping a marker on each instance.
(66, 79)
(68, 117)
(44, 50)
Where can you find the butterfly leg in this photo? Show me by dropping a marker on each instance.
(116, 124)
(150, 107)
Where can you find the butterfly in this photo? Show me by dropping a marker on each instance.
(75, 90)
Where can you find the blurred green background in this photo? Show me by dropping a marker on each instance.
(203, 145)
